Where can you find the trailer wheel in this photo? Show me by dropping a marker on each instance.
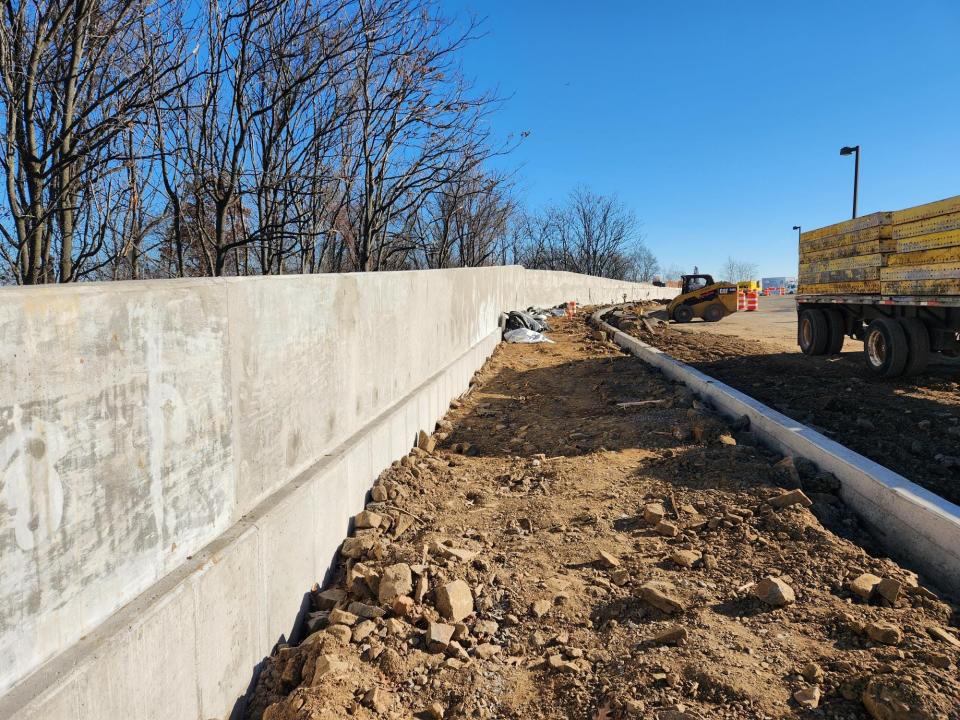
(714, 313)
(813, 332)
(835, 331)
(683, 314)
(885, 347)
(918, 346)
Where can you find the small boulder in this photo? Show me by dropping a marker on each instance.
(685, 558)
(863, 585)
(662, 596)
(666, 529)
(941, 635)
(378, 700)
(671, 636)
(788, 499)
(608, 560)
(328, 599)
(455, 601)
(889, 589)
(654, 513)
(774, 591)
(342, 617)
(808, 697)
(367, 519)
(884, 633)
(539, 608)
(485, 651)
(342, 633)
(439, 635)
(328, 665)
(396, 580)
(363, 630)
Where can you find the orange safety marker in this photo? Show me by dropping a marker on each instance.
(741, 300)
(752, 301)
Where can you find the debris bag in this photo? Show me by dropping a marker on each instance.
(517, 319)
(525, 335)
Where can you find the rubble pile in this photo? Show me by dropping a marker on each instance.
(548, 553)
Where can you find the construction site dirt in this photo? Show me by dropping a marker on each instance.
(581, 538)
(911, 426)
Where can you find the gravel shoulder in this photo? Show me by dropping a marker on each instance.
(552, 552)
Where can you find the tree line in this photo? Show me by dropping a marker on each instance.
(170, 138)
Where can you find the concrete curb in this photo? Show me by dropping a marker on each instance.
(911, 522)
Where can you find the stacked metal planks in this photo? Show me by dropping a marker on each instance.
(846, 258)
(927, 261)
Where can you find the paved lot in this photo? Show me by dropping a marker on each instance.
(775, 323)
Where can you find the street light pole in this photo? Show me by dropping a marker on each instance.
(797, 228)
(855, 151)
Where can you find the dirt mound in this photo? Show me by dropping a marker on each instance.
(586, 540)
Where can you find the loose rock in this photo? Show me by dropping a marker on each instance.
(794, 497)
(396, 580)
(863, 585)
(667, 529)
(455, 601)
(672, 635)
(607, 560)
(685, 558)
(774, 591)
(885, 633)
(662, 596)
(808, 697)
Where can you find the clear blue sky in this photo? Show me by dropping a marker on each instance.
(720, 122)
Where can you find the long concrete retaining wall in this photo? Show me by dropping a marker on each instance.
(911, 522)
(179, 461)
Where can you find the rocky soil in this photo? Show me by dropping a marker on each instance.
(911, 426)
(583, 539)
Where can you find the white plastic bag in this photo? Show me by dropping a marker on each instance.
(525, 335)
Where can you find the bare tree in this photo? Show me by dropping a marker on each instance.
(645, 266)
(738, 270)
(590, 234)
(76, 76)
(465, 222)
(418, 121)
(139, 138)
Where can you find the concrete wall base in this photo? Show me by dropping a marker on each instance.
(187, 647)
(911, 522)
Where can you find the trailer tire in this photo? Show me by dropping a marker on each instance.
(683, 314)
(918, 346)
(835, 331)
(813, 332)
(885, 347)
(714, 312)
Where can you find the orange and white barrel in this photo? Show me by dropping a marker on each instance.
(741, 300)
(752, 301)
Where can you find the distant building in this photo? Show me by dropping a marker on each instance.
(789, 284)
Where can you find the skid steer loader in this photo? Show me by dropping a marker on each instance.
(701, 297)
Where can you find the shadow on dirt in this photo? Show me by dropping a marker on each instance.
(910, 426)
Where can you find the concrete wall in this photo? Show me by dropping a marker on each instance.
(179, 461)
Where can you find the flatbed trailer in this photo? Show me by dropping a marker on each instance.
(889, 279)
(899, 333)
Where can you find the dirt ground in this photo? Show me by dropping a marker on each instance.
(559, 554)
(911, 426)
(774, 322)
